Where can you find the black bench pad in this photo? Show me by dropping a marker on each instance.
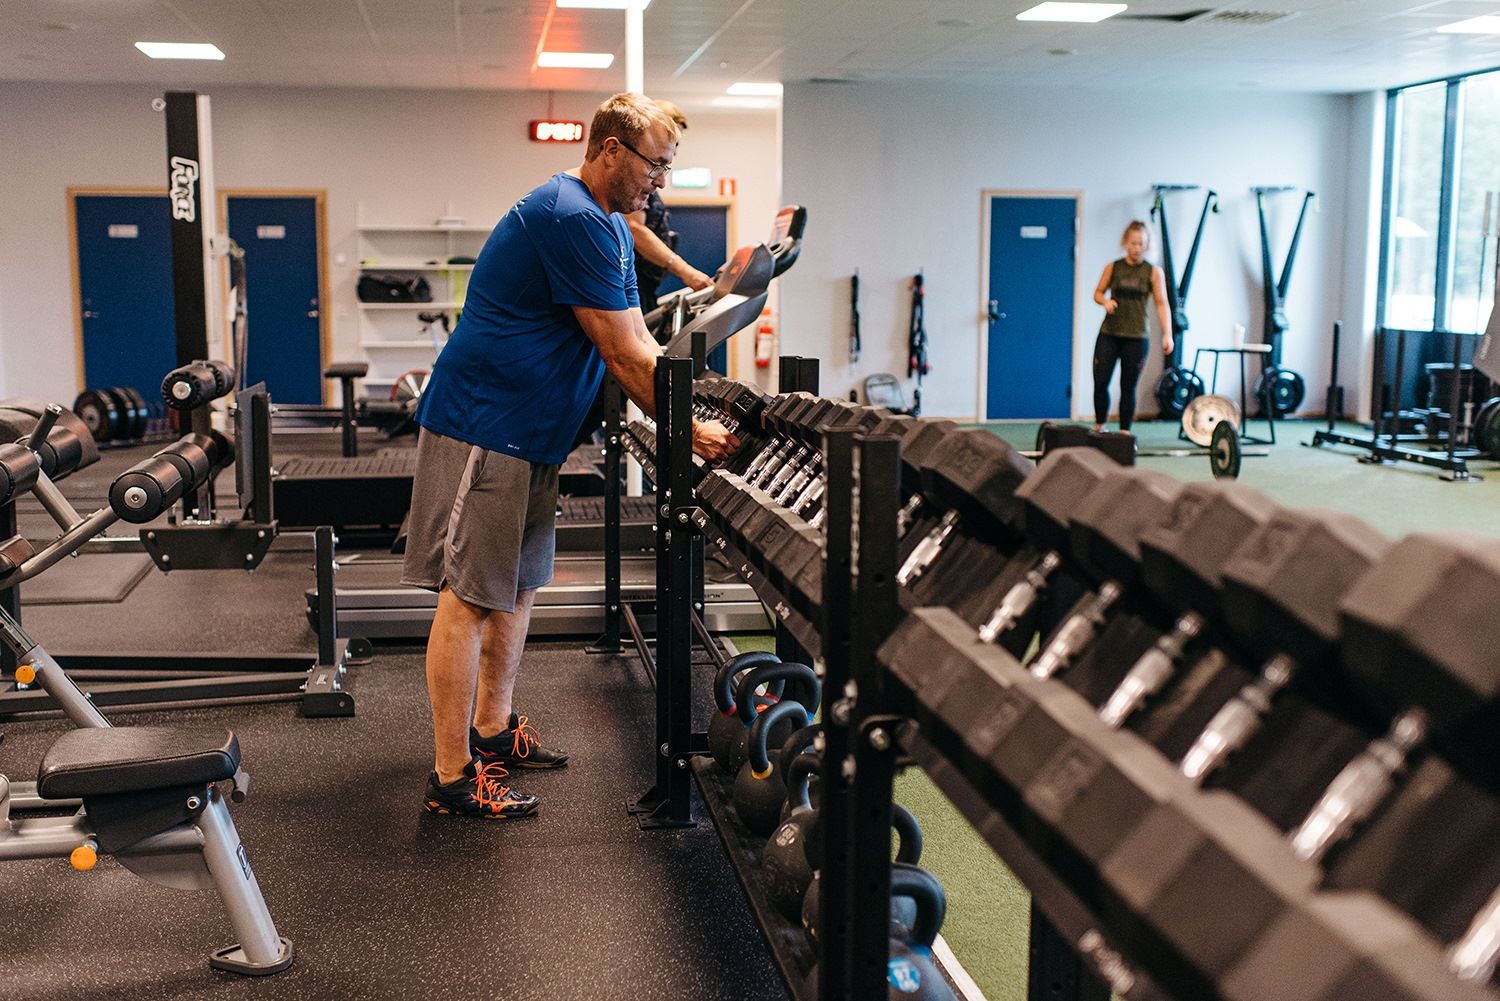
(109, 760)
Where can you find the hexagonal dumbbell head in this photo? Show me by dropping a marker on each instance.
(977, 473)
(1107, 526)
(1420, 629)
(1063, 481)
(1283, 587)
(1183, 559)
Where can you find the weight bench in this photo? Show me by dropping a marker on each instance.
(150, 799)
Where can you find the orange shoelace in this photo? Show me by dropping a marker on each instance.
(525, 738)
(488, 789)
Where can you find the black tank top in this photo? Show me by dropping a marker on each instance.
(1130, 287)
(647, 275)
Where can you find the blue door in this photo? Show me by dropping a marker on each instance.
(703, 241)
(1030, 336)
(280, 238)
(125, 291)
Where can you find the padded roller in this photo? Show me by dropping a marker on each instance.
(19, 467)
(144, 491)
(192, 386)
(69, 446)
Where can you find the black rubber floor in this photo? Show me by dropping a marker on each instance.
(385, 902)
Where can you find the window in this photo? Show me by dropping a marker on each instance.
(1478, 187)
(1439, 259)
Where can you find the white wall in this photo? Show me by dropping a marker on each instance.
(396, 156)
(892, 175)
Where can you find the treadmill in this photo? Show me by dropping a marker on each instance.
(371, 602)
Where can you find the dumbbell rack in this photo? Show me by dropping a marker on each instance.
(1158, 888)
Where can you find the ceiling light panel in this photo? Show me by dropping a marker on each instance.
(1076, 13)
(604, 4)
(1487, 24)
(576, 60)
(747, 88)
(180, 50)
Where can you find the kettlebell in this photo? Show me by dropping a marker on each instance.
(758, 790)
(725, 726)
(787, 865)
(911, 973)
(803, 740)
(746, 710)
(908, 853)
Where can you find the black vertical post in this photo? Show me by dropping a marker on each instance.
(669, 803)
(699, 351)
(609, 641)
(875, 610)
(326, 596)
(1399, 391)
(787, 374)
(835, 630)
(1377, 392)
(1334, 405)
(10, 597)
(1455, 397)
(807, 375)
(1055, 973)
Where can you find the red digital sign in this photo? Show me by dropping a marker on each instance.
(543, 131)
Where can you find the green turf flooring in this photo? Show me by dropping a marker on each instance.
(988, 908)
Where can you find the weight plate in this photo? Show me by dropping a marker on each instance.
(140, 414)
(99, 413)
(410, 385)
(1481, 428)
(1224, 451)
(1200, 416)
(1279, 390)
(1487, 428)
(1176, 388)
(120, 429)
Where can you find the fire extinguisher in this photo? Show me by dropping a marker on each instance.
(765, 340)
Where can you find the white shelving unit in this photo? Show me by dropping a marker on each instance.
(392, 337)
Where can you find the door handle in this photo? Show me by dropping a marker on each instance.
(993, 311)
(89, 314)
(312, 313)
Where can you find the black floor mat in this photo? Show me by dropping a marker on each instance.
(91, 578)
(385, 902)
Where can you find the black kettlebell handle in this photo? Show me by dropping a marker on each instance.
(800, 740)
(724, 686)
(745, 705)
(932, 904)
(908, 835)
(759, 760)
(799, 777)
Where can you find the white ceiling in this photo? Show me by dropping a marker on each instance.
(695, 48)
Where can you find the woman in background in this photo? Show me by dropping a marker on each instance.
(1123, 289)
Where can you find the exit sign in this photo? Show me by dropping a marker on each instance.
(544, 131)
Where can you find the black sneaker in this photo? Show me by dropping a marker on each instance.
(480, 793)
(517, 746)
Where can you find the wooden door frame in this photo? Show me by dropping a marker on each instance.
(985, 195)
(320, 198)
(731, 234)
(72, 193)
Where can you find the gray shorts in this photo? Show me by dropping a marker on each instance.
(482, 523)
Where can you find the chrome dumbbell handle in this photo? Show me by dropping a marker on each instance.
(927, 551)
(1362, 786)
(1020, 598)
(1474, 956)
(1238, 720)
(1076, 633)
(1152, 671)
(907, 515)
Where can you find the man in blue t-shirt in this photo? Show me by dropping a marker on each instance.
(551, 304)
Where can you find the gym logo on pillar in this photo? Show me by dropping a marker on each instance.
(184, 176)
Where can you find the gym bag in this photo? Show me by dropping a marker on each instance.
(389, 288)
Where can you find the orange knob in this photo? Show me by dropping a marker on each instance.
(25, 674)
(84, 858)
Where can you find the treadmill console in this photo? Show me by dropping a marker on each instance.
(748, 272)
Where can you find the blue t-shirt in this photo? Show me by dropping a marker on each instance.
(519, 374)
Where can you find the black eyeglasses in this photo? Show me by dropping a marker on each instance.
(657, 169)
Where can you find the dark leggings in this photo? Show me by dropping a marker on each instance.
(1130, 352)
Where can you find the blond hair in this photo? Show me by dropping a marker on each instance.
(1136, 224)
(627, 117)
(673, 112)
